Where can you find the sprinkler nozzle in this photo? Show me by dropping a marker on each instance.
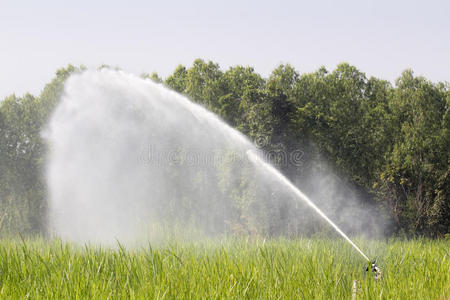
(374, 268)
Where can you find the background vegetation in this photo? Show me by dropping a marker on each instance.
(390, 143)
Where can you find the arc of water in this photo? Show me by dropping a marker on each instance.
(254, 158)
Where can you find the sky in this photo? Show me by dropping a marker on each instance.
(381, 38)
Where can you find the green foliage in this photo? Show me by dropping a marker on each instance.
(154, 76)
(177, 81)
(391, 143)
(241, 85)
(229, 269)
(417, 170)
(22, 156)
(203, 83)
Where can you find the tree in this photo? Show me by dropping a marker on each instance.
(390, 143)
(242, 85)
(22, 195)
(416, 174)
(177, 81)
(204, 85)
(22, 156)
(154, 77)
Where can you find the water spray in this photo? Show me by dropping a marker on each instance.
(254, 158)
(116, 137)
(121, 143)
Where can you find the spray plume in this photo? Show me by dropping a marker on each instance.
(258, 161)
(127, 154)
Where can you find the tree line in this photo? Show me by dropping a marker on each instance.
(390, 142)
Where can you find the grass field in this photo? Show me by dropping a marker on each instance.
(275, 269)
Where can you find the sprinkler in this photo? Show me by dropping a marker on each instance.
(374, 269)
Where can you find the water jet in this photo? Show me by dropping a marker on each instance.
(283, 180)
(119, 160)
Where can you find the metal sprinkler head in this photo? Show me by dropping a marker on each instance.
(375, 269)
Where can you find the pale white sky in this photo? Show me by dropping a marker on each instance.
(381, 38)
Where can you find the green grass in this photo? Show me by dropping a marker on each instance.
(275, 269)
